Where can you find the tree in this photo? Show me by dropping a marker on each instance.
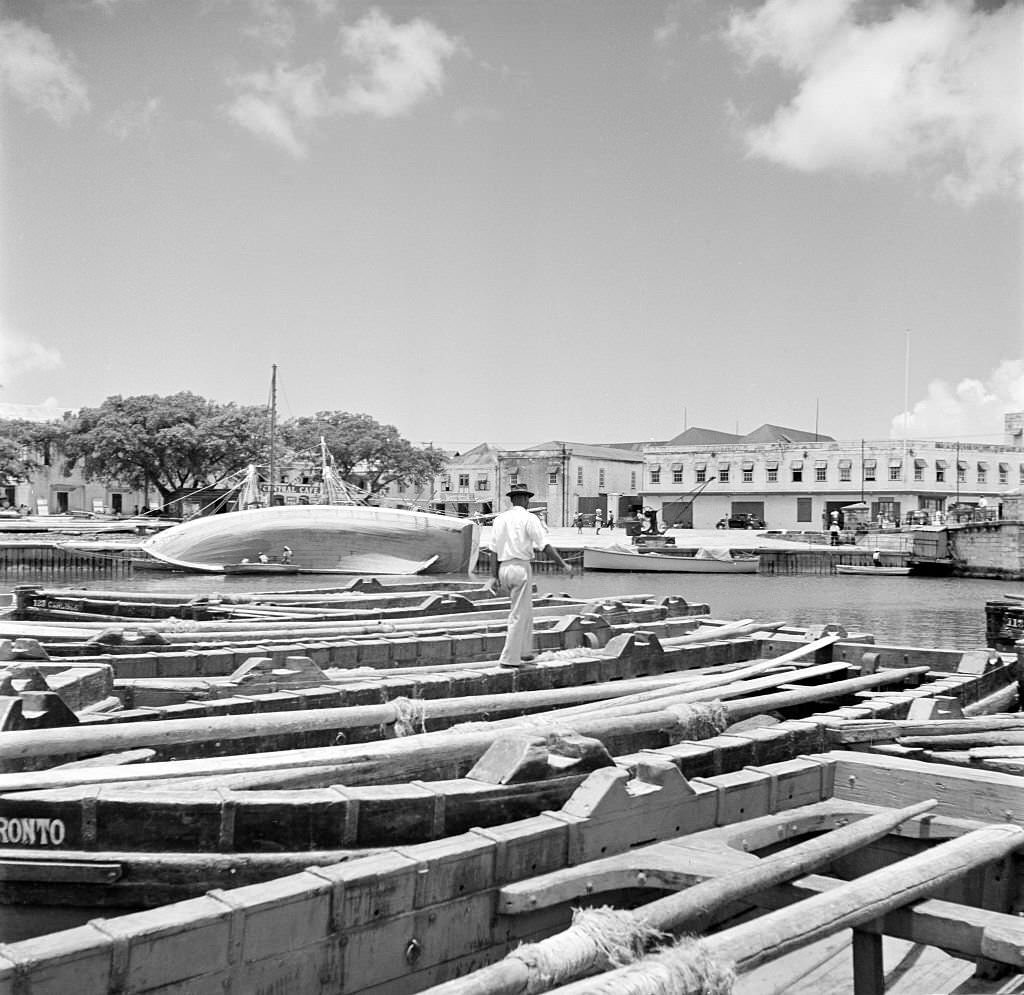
(175, 444)
(22, 445)
(361, 446)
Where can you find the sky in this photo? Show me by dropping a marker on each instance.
(519, 220)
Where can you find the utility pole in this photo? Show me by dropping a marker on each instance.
(273, 431)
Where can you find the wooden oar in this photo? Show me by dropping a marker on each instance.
(688, 909)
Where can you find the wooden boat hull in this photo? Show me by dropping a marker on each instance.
(871, 571)
(353, 539)
(596, 558)
(417, 916)
(259, 569)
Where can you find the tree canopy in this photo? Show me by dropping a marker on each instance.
(364, 448)
(175, 444)
(21, 446)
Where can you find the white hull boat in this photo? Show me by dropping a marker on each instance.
(871, 570)
(323, 538)
(626, 559)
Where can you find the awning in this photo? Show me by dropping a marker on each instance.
(820, 464)
(982, 464)
(771, 464)
(920, 464)
(679, 466)
(895, 461)
(845, 464)
(700, 466)
(870, 464)
(961, 464)
(748, 464)
(940, 464)
(654, 466)
(797, 464)
(1004, 467)
(724, 466)
(554, 467)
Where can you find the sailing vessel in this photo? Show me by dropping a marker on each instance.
(326, 526)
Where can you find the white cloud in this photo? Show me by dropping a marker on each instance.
(972, 409)
(19, 354)
(935, 88)
(39, 75)
(402, 64)
(282, 105)
(669, 27)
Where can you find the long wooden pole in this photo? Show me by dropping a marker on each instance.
(396, 757)
(689, 909)
(863, 900)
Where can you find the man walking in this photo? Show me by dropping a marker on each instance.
(516, 534)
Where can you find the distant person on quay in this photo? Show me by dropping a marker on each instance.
(598, 521)
(611, 521)
(578, 522)
(515, 536)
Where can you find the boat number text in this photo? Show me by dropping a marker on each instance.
(28, 831)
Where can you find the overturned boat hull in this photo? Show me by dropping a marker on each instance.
(353, 539)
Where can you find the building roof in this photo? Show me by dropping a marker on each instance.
(704, 437)
(583, 449)
(776, 433)
(483, 453)
(635, 446)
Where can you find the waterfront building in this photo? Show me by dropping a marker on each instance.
(793, 480)
(571, 477)
(468, 484)
(53, 489)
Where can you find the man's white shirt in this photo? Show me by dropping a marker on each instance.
(516, 534)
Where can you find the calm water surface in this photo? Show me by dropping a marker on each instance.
(925, 611)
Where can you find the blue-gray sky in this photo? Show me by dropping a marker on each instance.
(512, 220)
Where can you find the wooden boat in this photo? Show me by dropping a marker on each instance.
(258, 569)
(638, 836)
(127, 821)
(294, 808)
(626, 559)
(871, 571)
(324, 538)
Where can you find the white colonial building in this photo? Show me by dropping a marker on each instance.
(794, 480)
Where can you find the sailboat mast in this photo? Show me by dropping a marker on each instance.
(273, 432)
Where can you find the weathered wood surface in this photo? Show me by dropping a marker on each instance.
(285, 934)
(848, 905)
(567, 958)
(225, 735)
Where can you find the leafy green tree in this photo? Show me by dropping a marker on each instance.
(362, 447)
(175, 444)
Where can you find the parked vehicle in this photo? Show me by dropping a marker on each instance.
(741, 521)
